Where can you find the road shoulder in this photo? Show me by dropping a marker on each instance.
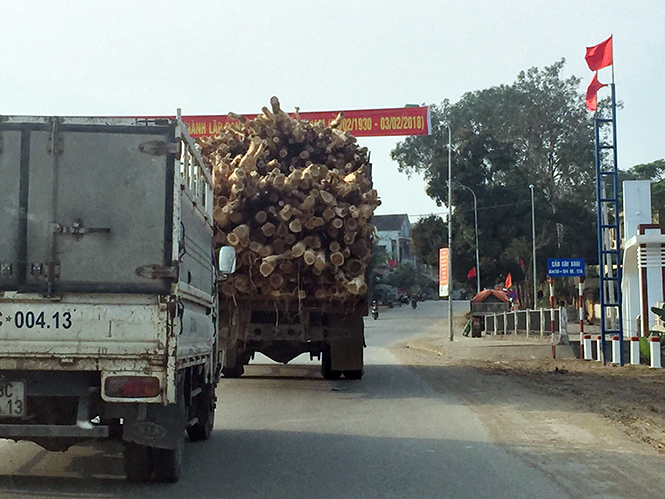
(595, 430)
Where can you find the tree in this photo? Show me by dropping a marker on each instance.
(428, 235)
(535, 131)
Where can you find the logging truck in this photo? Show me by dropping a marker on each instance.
(332, 332)
(293, 201)
(108, 288)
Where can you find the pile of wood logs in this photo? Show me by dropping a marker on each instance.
(294, 199)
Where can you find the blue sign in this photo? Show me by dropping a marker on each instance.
(565, 267)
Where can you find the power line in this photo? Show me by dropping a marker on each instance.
(516, 203)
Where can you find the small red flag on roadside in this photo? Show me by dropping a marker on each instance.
(509, 281)
(599, 56)
(591, 98)
(471, 273)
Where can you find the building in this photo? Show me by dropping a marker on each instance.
(394, 237)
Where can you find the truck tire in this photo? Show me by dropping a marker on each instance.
(238, 368)
(354, 374)
(326, 363)
(235, 371)
(138, 461)
(205, 412)
(168, 462)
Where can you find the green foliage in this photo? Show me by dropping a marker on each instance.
(379, 257)
(535, 131)
(428, 235)
(409, 277)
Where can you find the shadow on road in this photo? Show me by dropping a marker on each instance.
(266, 464)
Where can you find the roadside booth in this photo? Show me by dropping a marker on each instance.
(488, 301)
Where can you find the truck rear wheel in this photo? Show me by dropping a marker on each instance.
(168, 462)
(237, 369)
(138, 461)
(205, 412)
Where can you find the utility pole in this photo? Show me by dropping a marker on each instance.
(450, 235)
(533, 236)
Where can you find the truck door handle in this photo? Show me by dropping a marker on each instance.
(77, 229)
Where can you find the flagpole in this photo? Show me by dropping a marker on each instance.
(612, 37)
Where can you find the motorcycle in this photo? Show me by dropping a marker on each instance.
(375, 310)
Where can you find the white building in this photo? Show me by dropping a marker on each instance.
(643, 281)
(394, 237)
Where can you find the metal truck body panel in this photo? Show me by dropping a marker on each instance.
(107, 276)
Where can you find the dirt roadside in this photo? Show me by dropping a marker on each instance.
(598, 431)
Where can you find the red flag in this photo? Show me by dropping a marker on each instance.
(509, 281)
(471, 273)
(393, 264)
(594, 86)
(600, 56)
(522, 263)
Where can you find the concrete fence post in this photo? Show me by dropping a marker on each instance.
(616, 350)
(587, 346)
(542, 323)
(654, 350)
(515, 318)
(634, 350)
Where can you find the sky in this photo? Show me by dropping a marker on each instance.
(149, 57)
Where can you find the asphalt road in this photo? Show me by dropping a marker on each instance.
(284, 432)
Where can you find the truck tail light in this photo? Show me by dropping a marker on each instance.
(131, 386)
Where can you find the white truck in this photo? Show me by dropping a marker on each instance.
(108, 301)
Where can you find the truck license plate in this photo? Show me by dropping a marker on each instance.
(12, 398)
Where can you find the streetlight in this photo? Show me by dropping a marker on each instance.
(475, 216)
(533, 236)
(450, 235)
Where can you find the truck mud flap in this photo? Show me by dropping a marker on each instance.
(156, 426)
(347, 354)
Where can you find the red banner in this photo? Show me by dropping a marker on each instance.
(443, 272)
(364, 123)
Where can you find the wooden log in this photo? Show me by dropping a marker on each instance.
(267, 250)
(328, 214)
(313, 242)
(309, 257)
(337, 259)
(268, 229)
(268, 265)
(261, 217)
(320, 261)
(282, 230)
(349, 237)
(355, 267)
(298, 249)
(233, 239)
(276, 280)
(295, 226)
(286, 267)
(357, 286)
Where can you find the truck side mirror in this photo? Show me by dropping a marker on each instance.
(227, 261)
